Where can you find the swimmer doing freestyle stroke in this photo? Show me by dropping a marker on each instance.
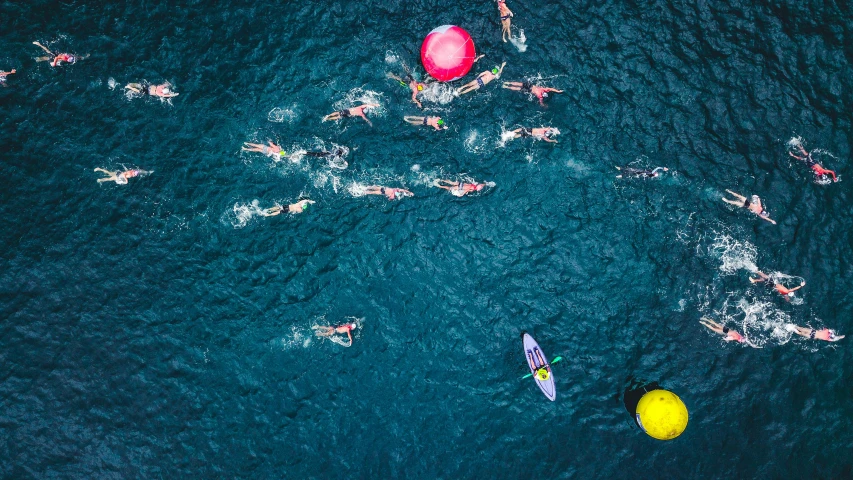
(812, 334)
(120, 177)
(482, 79)
(505, 14)
(459, 189)
(434, 122)
(753, 205)
(297, 207)
(628, 172)
(784, 291)
(162, 91)
(271, 150)
(527, 87)
(409, 81)
(329, 332)
(730, 335)
(57, 59)
(352, 112)
(391, 193)
(544, 133)
(818, 170)
(3, 76)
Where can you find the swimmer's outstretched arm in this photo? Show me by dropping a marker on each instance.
(762, 277)
(549, 140)
(44, 48)
(768, 219)
(479, 57)
(797, 287)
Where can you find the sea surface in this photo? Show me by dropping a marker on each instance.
(163, 328)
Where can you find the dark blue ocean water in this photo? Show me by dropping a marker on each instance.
(161, 330)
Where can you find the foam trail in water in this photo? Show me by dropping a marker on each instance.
(298, 338)
(440, 93)
(242, 213)
(734, 254)
(760, 322)
(111, 82)
(520, 42)
(281, 115)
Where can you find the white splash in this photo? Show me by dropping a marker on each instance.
(242, 213)
(281, 115)
(111, 82)
(735, 255)
(520, 42)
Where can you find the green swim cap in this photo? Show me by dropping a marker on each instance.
(305, 206)
(440, 122)
(495, 70)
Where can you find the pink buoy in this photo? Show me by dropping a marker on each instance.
(448, 53)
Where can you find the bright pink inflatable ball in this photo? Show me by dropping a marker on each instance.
(448, 53)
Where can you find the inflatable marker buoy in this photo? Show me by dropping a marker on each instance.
(662, 415)
(448, 53)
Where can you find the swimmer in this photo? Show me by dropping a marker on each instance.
(409, 81)
(730, 335)
(629, 172)
(818, 170)
(540, 92)
(544, 133)
(337, 153)
(784, 291)
(391, 193)
(434, 122)
(352, 112)
(164, 90)
(481, 80)
(3, 76)
(330, 331)
(505, 14)
(120, 177)
(297, 207)
(58, 58)
(272, 150)
(812, 334)
(753, 205)
(459, 189)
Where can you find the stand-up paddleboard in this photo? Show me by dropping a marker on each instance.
(537, 361)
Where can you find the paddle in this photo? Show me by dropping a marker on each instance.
(553, 362)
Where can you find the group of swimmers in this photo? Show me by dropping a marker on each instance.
(165, 92)
(754, 205)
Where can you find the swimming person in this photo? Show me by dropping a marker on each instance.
(753, 205)
(481, 80)
(812, 334)
(164, 90)
(352, 112)
(434, 122)
(505, 14)
(3, 76)
(818, 170)
(784, 291)
(272, 150)
(297, 207)
(329, 332)
(544, 133)
(459, 189)
(120, 177)
(629, 172)
(58, 58)
(730, 335)
(540, 92)
(409, 81)
(391, 193)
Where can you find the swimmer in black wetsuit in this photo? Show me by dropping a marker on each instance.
(481, 80)
(352, 112)
(338, 152)
(629, 172)
(527, 87)
(754, 205)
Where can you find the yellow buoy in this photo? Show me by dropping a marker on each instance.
(662, 414)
